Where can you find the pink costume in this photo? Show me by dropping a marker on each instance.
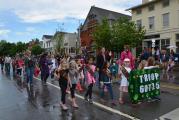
(90, 78)
(128, 55)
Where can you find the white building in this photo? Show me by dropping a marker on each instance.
(69, 43)
(48, 43)
(161, 21)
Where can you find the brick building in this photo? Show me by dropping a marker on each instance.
(94, 17)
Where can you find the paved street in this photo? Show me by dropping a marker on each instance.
(110, 46)
(42, 103)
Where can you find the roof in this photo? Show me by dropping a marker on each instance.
(144, 4)
(61, 32)
(48, 36)
(102, 13)
(108, 13)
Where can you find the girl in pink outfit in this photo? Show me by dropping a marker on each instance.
(90, 79)
(127, 54)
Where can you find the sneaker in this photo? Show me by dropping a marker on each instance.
(90, 101)
(121, 102)
(156, 98)
(85, 98)
(64, 107)
(113, 102)
(150, 100)
(61, 104)
(75, 105)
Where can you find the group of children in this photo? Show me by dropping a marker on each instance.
(72, 74)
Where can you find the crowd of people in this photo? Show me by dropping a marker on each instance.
(75, 73)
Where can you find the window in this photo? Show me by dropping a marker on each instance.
(165, 43)
(166, 20)
(72, 50)
(138, 11)
(65, 44)
(47, 44)
(166, 3)
(177, 36)
(151, 7)
(139, 23)
(177, 44)
(92, 16)
(151, 23)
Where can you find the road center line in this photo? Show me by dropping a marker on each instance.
(98, 104)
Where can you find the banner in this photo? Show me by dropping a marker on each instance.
(144, 84)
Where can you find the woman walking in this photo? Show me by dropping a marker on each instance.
(44, 68)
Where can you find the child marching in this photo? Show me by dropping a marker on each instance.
(90, 79)
(124, 72)
(62, 75)
(73, 77)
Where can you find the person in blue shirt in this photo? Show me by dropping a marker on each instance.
(114, 69)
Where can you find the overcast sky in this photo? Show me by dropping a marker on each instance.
(22, 20)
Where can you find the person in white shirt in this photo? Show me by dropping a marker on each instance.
(124, 71)
(53, 66)
(8, 64)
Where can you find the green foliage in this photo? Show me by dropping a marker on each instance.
(7, 48)
(37, 50)
(102, 35)
(115, 36)
(58, 38)
(21, 47)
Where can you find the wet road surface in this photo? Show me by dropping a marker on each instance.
(39, 102)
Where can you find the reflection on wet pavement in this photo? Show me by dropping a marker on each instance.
(42, 102)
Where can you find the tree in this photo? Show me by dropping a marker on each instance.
(102, 35)
(7, 48)
(20, 47)
(37, 50)
(59, 40)
(123, 31)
